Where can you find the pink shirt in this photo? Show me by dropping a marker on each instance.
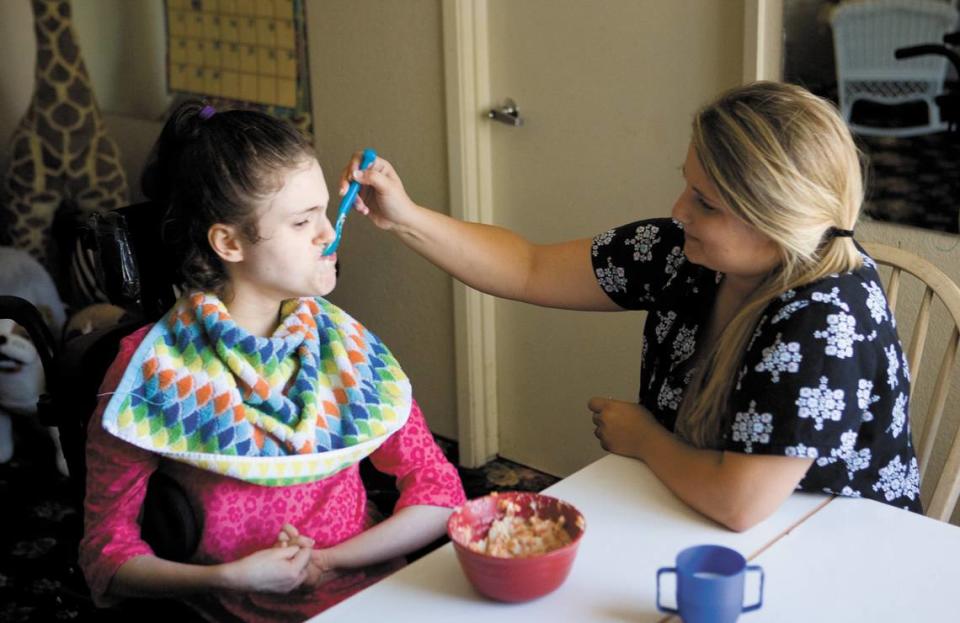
(240, 518)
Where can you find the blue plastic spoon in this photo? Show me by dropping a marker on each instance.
(346, 203)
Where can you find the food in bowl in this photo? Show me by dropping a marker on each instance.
(513, 535)
(524, 526)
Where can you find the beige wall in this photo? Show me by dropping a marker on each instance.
(124, 46)
(377, 80)
(17, 48)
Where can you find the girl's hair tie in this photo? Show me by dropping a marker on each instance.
(207, 111)
(836, 232)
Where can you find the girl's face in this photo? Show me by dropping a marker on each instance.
(288, 261)
(713, 236)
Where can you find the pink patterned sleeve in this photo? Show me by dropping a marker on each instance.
(424, 475)
(117, 475)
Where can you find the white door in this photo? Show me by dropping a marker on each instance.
(606, 90)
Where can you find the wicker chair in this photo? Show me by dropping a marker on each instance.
(936, 283)
(865, 38)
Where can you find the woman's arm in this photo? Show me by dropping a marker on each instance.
(734, 489)
(490, 259)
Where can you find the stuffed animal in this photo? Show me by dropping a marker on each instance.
(21, 372)
(93, 318)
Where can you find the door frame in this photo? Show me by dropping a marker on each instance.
(467, 92)
(762, 40)
(466, 69)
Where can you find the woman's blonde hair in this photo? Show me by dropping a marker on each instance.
(785, 163)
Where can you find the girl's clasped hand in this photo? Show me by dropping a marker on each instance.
(280, 569)
(319, 566)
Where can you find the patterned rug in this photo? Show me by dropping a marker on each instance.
(914, 180)
(39, 577)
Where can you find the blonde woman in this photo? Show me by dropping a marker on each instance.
(770, 359)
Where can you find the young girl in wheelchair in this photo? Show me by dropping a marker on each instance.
(256, 395)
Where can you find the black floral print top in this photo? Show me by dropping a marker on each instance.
(824, 375)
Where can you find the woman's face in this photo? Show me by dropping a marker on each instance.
(288, 261)
(714, 237)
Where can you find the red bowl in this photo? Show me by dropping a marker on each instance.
(514, 579)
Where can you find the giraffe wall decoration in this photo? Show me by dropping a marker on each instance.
(61, 154)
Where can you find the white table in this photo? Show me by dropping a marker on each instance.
(860, 560)
(634, 526)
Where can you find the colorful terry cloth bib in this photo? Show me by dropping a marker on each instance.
(317, 396)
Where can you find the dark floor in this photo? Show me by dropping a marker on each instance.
(914, 180)
(39, 578)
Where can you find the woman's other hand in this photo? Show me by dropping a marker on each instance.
(273, 570)
(620, 426)
(382, 197)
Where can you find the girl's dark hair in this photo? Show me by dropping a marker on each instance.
(212, 167)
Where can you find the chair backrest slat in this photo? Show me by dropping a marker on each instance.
(947, 489)
(939, 399)
(915, 353)
(893, 288)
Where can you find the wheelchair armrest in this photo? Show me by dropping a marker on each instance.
(929, 49)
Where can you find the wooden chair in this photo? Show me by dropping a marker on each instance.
(936, 283)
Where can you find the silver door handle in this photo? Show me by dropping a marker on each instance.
(508, 113)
